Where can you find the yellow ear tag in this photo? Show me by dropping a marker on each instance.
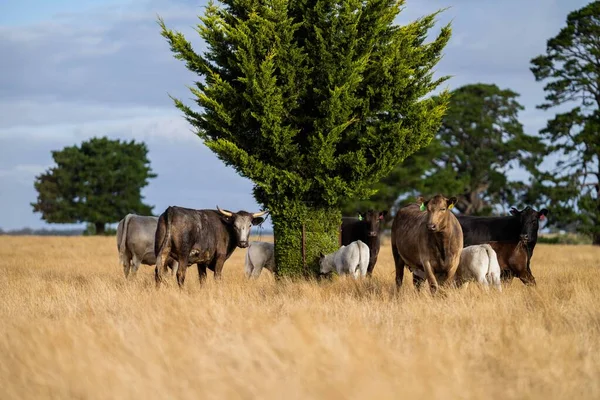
(451, 206)
(422, 208)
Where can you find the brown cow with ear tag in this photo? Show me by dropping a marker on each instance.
(426, 236)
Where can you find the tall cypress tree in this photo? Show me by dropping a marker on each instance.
(313, 100)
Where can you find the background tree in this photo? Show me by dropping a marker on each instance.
(99, 182)
(571, 70)
(479, 142)
(313, 100)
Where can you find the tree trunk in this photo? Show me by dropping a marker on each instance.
(321, 234)
(99, 228)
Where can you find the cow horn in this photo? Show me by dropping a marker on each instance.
(224, 212)
(259, 214)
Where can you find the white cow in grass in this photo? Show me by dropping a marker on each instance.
(479, 263)
(352, 259)
(259, 255)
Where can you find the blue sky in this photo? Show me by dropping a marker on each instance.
(72, 70)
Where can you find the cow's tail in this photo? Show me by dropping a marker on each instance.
(493, 273)
(163, 249)
(123, 239)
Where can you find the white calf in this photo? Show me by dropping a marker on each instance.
(259, 255)
(479, 263)
(352, 259)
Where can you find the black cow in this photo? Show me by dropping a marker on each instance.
(519, 225)
(202, 237)
(366, 228)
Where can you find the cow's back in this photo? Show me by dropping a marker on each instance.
(352, 230)
(481, 230)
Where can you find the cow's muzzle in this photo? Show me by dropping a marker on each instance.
(243, 245)
(432, 227)
(372, 234)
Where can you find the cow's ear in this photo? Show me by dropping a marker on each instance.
(382, 214)
(542, 213)
(321, 255)
(514, 211)
(257, 220)
(451, 202)
(420, 200)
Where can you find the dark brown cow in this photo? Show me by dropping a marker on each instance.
(366, 228)
(512, 258)
(427, 237)
(202, 237)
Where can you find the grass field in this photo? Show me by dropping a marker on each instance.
(72, 327)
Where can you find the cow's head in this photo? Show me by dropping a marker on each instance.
(529, 221)
(438, 209)
(241, 221)
(374, 221)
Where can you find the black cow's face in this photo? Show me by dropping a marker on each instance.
(530, 222)
(437, 209)
(374, 220)
(242, 222)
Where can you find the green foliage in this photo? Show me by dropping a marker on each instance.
(98, 182)
(313, 100)
(571, 72)
(321, 227)
(479, 142)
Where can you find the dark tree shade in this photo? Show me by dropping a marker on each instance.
(98, 182)
(313, 100)
(571, 72)
(479, 142)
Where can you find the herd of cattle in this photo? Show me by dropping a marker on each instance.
(427, 237)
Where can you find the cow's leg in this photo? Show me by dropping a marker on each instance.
(181, 269)
(372, 262)
(433, 284)
(201, 272)
(399, 263)
(218, 266)
(527, 277)
(126, 266)
(161, 268)
(174, 266)
(255, 273)
(135, 266)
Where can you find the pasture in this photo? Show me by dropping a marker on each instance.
(72, 327)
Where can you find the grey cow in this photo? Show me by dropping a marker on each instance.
(135, 242)
(260, 255)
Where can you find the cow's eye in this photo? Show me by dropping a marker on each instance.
(443, 209)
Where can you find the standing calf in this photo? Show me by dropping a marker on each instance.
(479, 263)
(352, 259)
(427, 237)
(259, 255)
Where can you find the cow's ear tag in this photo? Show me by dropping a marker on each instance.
(451, 206)
(422, 208)
(360, 217)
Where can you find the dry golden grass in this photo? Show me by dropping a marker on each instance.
(72, 327)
